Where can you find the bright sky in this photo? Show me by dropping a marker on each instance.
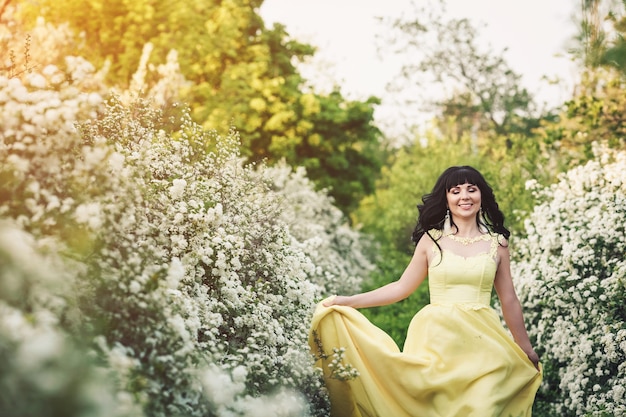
(536, 32)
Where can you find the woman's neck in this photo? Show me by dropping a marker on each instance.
(466, 228)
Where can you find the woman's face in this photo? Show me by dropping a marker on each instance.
(464, 200)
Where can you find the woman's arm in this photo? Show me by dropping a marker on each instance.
(511, 307)
(411, 278)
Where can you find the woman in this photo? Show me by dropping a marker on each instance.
(458, 360)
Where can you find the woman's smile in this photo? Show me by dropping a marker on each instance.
(464, 200)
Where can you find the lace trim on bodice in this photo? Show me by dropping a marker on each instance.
(492, 250)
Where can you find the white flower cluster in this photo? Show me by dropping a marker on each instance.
(226, 392)
(161, 83)
(571, 278)
(321, 232)
(196, 265)
(339, 370)
(45, 103)
(41, 150)
(44, 372)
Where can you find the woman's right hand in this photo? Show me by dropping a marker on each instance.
(338, 300)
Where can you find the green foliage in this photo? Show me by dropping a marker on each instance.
(616, 54)
(508, 165)
(240, 73)
(394, 318)
(595, 114)
(342, 150)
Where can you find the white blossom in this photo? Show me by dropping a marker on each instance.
(569, 275)
(178, 188)
(90, 214)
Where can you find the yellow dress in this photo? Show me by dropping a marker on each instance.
(458, 360)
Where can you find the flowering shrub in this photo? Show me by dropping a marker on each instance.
(184, 277)
(320, 230)
(43, 370)
(226, 392)
(571, 279)
(162, 84)
(198, 252)
(185, 262)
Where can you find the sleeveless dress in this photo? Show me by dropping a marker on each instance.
(458, 360)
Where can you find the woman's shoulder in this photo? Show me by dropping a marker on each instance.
(499, 242)
(501, 239)
(435, 234)
(428, 241)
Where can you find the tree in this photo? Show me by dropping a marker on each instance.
(596, 113)
(599, 44)
(342, 151)
(242, 74)
(615, 55)
(592, 37)
(481, 93)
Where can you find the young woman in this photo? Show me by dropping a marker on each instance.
(458, 360)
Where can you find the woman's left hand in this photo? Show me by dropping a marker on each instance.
(534, 358)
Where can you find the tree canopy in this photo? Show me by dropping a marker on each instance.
(240, 73)
(475, 86)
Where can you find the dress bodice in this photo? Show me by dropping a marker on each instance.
(462, 272)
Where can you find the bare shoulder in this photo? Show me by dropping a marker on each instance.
(430, 237)
(500, 242)
(502, 251)
(434, 234)
(425, 243)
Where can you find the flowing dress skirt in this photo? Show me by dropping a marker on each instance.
(458, 361)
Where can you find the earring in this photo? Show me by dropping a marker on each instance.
(447, 224)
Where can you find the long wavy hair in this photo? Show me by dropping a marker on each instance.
(432, 211)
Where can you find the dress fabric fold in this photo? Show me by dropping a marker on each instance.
(457, 361)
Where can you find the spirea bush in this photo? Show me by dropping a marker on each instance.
(45, 370)
(184, 277)
(196, 266)
(181, 265)
(320, 230)
(571, 276)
